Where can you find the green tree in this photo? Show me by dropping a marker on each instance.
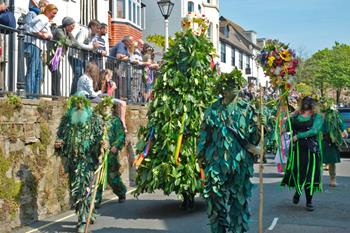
(327, 68)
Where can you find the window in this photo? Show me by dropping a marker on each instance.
(208, 1)
(226, 31)
(138, 16)
(241, 61)
(223, 52)
(190, 7)
(247, 65)
(121, 9)
(134, 13)
(233, 57)
(130, 10)
(210, 31)
(200, 9)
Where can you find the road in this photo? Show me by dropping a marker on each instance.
(156, 213)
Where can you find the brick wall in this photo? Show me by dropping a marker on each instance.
(117, 30)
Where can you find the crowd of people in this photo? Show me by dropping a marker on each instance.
(46, 41)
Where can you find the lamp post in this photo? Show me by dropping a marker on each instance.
(166, 6)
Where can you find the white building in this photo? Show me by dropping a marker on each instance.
(81, 11)
(239, 48)
(155, 21)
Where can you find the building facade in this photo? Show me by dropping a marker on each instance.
(239, 48)
(124, 17)
(154, 23)
(127, 17)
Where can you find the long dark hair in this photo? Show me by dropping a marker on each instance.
(308, 104)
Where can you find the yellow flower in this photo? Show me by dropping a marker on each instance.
(285, 55)
(271, 60)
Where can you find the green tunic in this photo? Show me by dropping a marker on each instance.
(331, 129)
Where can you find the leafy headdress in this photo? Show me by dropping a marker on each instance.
(233, 81)
(101, 107)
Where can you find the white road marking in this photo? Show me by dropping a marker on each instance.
(273, 224)
(71, 215)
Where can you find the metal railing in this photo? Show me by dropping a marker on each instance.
(17, 73)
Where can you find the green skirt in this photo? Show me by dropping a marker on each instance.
(331, 152)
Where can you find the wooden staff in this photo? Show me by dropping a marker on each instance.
(98, 172)
(261, 166)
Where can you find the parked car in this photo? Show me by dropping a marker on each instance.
(345, 113)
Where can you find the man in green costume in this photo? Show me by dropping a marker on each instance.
(226, 148)
(334, 131)
(168, 144)
(78, 132)
(116, 141)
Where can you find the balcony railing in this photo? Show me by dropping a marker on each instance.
(14, 55)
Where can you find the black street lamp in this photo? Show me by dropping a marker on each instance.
(166, 7)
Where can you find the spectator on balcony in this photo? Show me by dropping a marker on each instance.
(77, 58)
(7, 17)
(150, 69)
(102, 49)
(39, 27)
(101, 40)
(136, 52)
(62, 34)
(121, 49)
(107, 87)
(86, 82)
(34, 10)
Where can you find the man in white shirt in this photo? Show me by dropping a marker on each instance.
(79, 58)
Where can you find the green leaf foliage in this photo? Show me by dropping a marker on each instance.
(184, 86)
(228, 166)
(328, 68)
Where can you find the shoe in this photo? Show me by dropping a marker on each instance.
(122, 199)
(310, 207)
(332, 182)
(81, 228)
(296, 199)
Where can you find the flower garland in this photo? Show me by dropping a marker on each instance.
(279, 62)
(198, 24)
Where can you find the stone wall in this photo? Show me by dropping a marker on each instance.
(33, 183)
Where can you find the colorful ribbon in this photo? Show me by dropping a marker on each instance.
(179, 139)
(143, 155)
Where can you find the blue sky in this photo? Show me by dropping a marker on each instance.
(307, 25)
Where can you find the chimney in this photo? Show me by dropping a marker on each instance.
(261, 42)
(252, 36)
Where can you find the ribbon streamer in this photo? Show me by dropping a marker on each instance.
(179, 139)
(143, 155)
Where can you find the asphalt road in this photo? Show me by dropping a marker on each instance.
(156, 213)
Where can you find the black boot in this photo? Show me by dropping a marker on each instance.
(296, 198)
(309, 206)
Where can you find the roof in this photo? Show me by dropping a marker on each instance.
(237, 37)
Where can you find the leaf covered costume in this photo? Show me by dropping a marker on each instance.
(222, 148)
(332, 129)
(169, 141)
(116, 138)
(80, 131)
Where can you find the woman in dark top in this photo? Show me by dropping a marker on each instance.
(304, 166)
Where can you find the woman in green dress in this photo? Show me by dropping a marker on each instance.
(304, 168)
(333, 133)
